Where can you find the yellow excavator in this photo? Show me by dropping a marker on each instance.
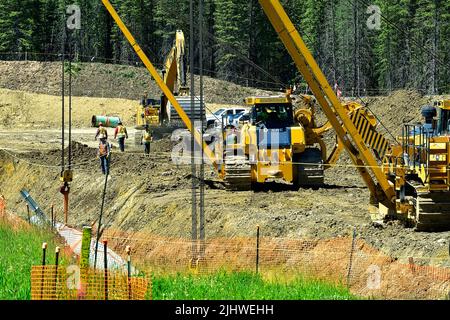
(156, 113)
(280, 143)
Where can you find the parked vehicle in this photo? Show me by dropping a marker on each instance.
(222, 116)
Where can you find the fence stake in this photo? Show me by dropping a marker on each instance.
(52, 209)
(56, 268)
(28, 213)
(105, 256)
(351, 258)
(411, 265)
(257, 249)
(44, 249)
(128, 250)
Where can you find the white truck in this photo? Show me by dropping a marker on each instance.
(223, 115)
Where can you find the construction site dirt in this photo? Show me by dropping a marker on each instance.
(153, 195)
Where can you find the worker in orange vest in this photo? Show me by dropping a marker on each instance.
(121, 134)
(146, 139)
(102, 133)
(104, 153)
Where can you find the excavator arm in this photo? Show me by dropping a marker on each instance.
(383, 191)
(175, 67)
(160, 82)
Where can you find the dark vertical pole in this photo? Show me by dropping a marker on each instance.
(44, 250)
(257, 249)
(100, 220)
(70, 108)
(193, 168)
(52, 210)
(63, 96)
(202, 120)
(56, 270)
(105, 257)
(70, 40)
(128, 251)
(28, 214)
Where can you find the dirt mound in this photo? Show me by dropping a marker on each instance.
(398, 108)
(20, 109)
(106, 81)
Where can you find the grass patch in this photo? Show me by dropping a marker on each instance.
(19, 250)
(242, 286)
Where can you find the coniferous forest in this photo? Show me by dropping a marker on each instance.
(405, 45)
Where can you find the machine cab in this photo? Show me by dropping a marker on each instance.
(271, 112)
(443, 113)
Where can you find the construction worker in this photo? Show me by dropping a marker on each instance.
(104, 153)
(121, 134)
(146, 139)
(102, 133)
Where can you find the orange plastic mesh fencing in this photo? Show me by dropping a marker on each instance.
(365, 270)
(61, 283)
(2, 207)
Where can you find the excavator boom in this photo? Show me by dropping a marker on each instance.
(346, 130)
(160, 82)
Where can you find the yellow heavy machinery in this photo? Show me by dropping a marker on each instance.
(156, 113)
(420, 169)
(275, 144)
(416, 192)
(280, 143)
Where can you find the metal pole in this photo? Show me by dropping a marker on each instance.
(257, 249)
(70, 102)
(202, 163)
(44, 250)
(100, 219)
(105, 257)
(56, 269)
(52, 214)
(28, 214)
(193, 168)
(63, 97)
(128, 251)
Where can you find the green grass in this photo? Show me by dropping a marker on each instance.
(242, 286)
(19, 250)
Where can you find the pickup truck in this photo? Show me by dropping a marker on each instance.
(223, 114)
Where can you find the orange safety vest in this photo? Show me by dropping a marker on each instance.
(103, 149)
(147, 136)
(121, 131)
(102, 132)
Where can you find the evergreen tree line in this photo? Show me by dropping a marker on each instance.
(410, 49)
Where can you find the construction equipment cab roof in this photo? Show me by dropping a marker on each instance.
(268, 100)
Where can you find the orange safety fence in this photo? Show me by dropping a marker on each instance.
(366, 270)
(69, 283)
(2, 207)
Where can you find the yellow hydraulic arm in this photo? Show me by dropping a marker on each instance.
(160, 82)
(359, 153)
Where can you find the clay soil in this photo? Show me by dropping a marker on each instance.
(153, 195)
